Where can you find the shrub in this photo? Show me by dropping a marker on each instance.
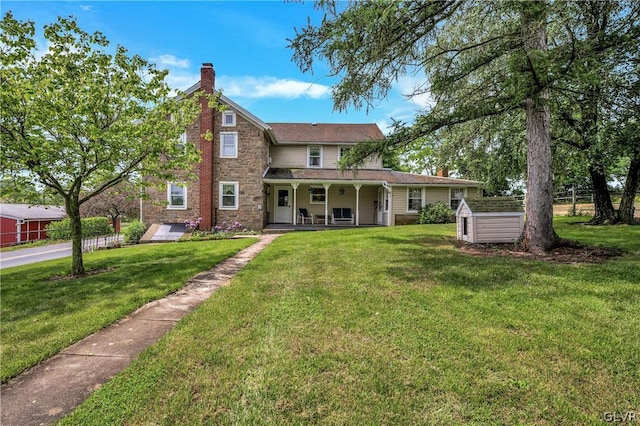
(134, 232)
(436, 213)
(91, 226)
(227, 230)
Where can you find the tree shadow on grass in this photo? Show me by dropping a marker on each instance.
(437, 260)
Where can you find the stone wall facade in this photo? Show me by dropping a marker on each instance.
(247, 170)
(154, 210)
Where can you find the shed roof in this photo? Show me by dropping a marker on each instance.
(493, 205)
(31, 212)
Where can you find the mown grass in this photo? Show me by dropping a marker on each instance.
(395, 326)
(42, 314)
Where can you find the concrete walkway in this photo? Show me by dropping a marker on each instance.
(51, 390)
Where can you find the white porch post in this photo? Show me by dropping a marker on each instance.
(326, 203)
(390, 209)
(295, 202)
(357, 186)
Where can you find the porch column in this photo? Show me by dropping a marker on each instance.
(295, 202)
(326, 203)
(357, 186)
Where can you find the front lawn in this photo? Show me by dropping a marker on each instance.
(42, 314)
(396, 326)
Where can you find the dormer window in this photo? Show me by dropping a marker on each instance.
(314, 156)
(228, 118)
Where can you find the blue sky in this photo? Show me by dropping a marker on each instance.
(245, 40)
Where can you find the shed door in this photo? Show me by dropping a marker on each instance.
(465, 228)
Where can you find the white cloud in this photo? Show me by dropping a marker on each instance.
(408, 85)
(85, 7)
(385, 126)
(170, 61)
(181, 81)
(270, 87)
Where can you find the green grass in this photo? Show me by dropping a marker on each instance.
(41, 315)
(395, 326)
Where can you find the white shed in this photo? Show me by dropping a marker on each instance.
(490, 220)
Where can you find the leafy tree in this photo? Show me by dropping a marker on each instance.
(480, 59)
(117, 201)
(598, 42)
(79, 120)
(19, 189)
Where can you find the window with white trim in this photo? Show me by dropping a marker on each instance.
(228, 196)
(228, 144)
(414, 199)
(314, 155)
(182, 142)
(343, 151)
(317, 195)
(176, 196)
(456, 196)
(228, 118)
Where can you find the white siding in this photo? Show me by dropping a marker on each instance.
(435, 195)
(497, 229)
(295, 156)
(399, 200)
(464, 211)
(288, 156)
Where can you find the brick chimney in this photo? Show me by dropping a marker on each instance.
(207, 85)
(442, 172)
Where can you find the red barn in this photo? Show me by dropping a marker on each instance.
(21, 223)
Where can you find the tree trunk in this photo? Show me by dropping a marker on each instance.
(73, 211)
(604, 211)
(627, 204)
(538, 234)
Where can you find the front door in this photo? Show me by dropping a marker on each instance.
(283, 205)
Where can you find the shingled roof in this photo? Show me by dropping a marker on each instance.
(493, 205)
(32, 212)
(304, 133)
(389, 176)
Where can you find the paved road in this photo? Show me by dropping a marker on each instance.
(29, 255)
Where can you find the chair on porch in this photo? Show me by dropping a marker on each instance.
(342, 215)
(304, 216)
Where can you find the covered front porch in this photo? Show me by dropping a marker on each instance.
(312, 204)
(280, 228)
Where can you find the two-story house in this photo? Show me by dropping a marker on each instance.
(259, 173)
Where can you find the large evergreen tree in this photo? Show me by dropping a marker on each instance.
(479, 59)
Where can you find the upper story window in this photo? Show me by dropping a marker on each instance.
(228, 196)
(228, 118)
(344, 150)
(176, 196)
(414, 199)
(314, 157)
(229, 144)
(456, 195)
(183, 139)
